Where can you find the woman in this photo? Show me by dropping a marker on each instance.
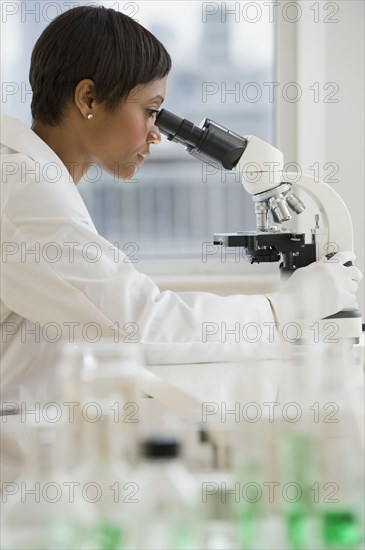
(98, 79)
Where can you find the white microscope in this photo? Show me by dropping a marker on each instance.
(261, 167)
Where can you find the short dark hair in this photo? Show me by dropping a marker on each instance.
(94, 42)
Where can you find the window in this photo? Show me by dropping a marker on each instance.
(223, 63)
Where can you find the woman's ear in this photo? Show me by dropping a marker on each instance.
(84, 97)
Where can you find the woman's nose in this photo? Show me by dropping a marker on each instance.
(154, 136)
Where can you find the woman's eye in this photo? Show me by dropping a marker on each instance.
(152, 112)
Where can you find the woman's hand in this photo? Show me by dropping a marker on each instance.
(317, 290)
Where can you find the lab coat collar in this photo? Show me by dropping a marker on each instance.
(18, 136)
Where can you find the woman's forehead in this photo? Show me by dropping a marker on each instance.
(152, 91)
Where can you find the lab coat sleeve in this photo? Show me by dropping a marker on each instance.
(58, 270)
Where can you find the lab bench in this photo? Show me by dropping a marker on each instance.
(244, 426)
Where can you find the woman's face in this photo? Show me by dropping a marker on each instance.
(120, 141)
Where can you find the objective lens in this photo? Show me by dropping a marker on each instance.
(279, 209)
(295, 203)
(262, 220)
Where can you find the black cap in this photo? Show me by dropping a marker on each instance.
(203, 435)
(160, 448)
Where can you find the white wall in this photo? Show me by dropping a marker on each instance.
(326, 47)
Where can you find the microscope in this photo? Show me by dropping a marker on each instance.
(275, 197)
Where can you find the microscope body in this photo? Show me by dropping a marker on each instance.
(275, 195)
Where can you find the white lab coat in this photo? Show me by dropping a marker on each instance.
(52, 286)
(52, 289)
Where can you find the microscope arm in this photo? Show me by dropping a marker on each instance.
(336, 234)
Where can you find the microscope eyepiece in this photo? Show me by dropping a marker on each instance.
(210, 142)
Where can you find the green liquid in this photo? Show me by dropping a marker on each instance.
(246, 527)
(249, 513)
(298, 464)
(341, 529)
(106, 535)
(297, 528)
(181, 538)
(109, 537)
(71, 536)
